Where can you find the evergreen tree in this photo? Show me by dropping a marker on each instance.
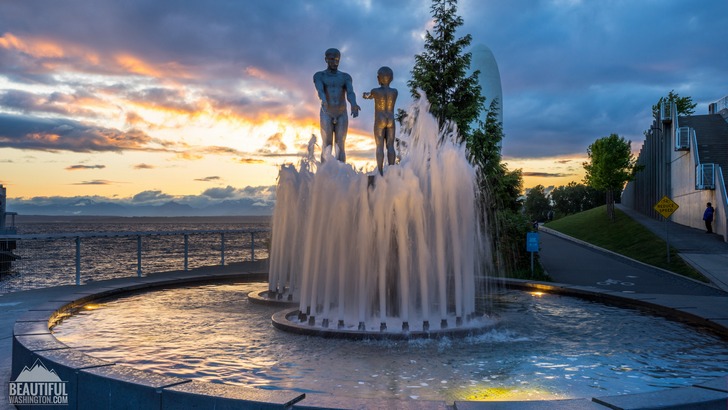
(441, 71)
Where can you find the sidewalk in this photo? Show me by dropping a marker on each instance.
(572, 262)
(707, 253)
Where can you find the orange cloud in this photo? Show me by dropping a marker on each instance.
(250, 161)
(132, 119)
(41, 137)
(36, 48)
(189, 155)
(136, 66)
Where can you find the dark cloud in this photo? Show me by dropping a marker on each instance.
(573, 72)
(81, 167)
(143, 166)
(208, 179)
(545, 174)
(53, 103)
(220, 193)
(151, 197)
(53, 134)
(248, 200)
(95, 182)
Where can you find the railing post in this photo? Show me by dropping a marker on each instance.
(222, 249)
(78, 260)
(252, 246)
(187, 250)
(139, 256)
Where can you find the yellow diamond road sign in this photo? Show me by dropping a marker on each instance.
(666, 206)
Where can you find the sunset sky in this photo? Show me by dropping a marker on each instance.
(148, 101)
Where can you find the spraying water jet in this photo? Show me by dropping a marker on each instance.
(392, 256)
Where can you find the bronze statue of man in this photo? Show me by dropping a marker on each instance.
(332, 85)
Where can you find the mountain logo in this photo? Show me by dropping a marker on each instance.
(38, 385)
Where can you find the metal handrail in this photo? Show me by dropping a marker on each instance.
(722, 103)
(720, 186)
(721, 182)
(79, 236)
(682, 142)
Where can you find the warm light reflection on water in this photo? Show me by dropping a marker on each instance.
(546, 347)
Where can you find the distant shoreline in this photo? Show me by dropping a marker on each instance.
(35, 219)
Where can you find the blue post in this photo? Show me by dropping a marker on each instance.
(139, 256)
(532, 242)
(78, 260)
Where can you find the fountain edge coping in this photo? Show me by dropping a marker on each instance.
(33, 339)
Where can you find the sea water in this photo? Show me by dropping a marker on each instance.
(45, 263)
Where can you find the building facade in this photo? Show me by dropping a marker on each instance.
(684, 158)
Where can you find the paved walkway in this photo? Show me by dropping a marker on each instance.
(577, 263)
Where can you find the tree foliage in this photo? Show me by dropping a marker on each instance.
(504, 186)
(684, 105)
(441, 72)
(610, 166)
(536, 206)
(574, 198)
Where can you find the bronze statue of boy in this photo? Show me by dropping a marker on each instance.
(331, 86)
(384, 126)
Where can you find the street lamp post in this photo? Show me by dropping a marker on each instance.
(667, 234)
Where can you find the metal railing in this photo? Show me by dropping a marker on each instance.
(53, 259)
(666, 111)
(722, 203)
(705, 176)
(683, 138)
(721, 104)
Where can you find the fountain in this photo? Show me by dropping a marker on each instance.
(394, 253)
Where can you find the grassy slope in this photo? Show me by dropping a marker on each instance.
(624, 236)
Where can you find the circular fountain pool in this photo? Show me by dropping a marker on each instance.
(541, 347)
